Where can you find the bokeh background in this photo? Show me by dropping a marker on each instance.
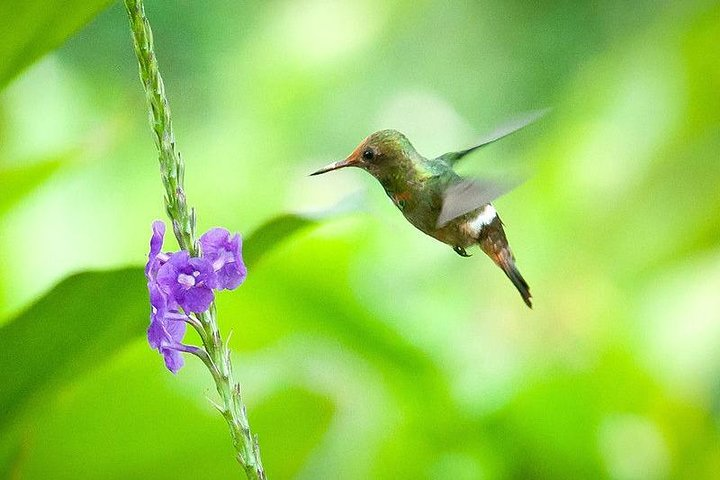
(365, 349)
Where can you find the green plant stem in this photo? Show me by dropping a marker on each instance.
(172, 167)
(232, 407)
(172, 171)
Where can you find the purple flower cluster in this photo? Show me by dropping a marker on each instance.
(180, 285)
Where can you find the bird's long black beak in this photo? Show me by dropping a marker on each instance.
(348, 162)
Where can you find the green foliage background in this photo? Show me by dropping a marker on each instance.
(365, 349)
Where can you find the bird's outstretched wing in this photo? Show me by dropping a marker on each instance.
(470, 194)
(511, 126)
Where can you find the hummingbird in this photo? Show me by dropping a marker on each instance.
(455, 210)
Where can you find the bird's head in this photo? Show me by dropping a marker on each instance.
(382, 154)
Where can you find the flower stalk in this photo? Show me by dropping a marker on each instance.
(214, 353)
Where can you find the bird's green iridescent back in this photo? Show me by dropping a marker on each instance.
(414, 183)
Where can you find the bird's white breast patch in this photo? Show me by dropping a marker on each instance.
(486, 216)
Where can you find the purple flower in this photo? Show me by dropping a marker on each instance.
(177, 280)
(225, 254)
(155, 258)
(167, 329)
(188, 281)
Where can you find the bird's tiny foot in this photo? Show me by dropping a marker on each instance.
(461, 251)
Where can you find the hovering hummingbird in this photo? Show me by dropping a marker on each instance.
(436, 200)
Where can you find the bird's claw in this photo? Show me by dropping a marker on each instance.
(461, 251)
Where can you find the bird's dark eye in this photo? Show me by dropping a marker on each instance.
(368, 154)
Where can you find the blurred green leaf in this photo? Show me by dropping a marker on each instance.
(300, 433)
(11, 451)
(17, 182)
(274, 231)
(64, 334)
(34, 27)
(82, 321)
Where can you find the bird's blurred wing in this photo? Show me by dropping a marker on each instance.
(470, 194)
(511, 126)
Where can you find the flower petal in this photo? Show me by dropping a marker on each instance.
(163, 335)
(179, 259)
(158, 300)
(156, 243)
(197, 299)
(174, 360)
(175, 330)
(155, 333)
(166, 277)
(213, 240)
(231, 276)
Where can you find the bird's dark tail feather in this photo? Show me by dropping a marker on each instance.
(493, 242)
(517, 279)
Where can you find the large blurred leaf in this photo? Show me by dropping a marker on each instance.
(89, 316)
(19, 181)
(271, 234)
(82, 321)
(317, 415)
(32, 28)
(274, 231)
